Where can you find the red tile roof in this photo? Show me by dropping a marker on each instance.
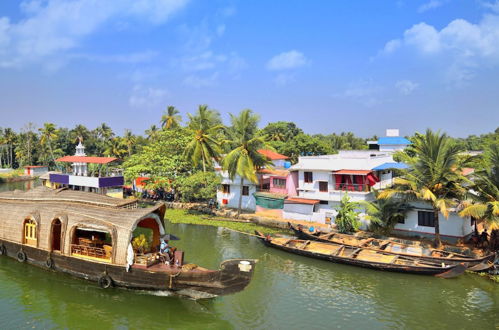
(295, 200)
(354, 172)
(84, 159)
(272, 155)
(283, 173)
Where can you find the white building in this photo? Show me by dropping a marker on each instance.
(35, 170)
(230, 190)
(390, 143)
(324, 180)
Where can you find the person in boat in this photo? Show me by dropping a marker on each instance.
(164, 251)
(484, 238)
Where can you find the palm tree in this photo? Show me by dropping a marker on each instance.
(433, 176)
(244, 160)
(48, 133)
(115, 148)
(79, 133)
(129, 140)
(205, 144)
(484, 192)
(104, 132)
(152, 132)
(170, 118)
(385, 213)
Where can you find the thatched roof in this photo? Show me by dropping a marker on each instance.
(42, 193)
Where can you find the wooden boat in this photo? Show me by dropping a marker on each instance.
(362, 257)
(393, 247)
(88, 236)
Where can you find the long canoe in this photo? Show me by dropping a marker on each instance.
(362, 257)
(393, 247)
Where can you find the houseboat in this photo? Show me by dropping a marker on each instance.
(89, 236)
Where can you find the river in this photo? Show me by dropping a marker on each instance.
(287, 292)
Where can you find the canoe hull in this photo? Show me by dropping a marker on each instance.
(201, 282)
(420, 270)
(454, 261)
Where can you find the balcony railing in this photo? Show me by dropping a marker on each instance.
(352, 187)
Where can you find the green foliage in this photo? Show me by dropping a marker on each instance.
(483, 201)
(434, 175)
(347, 219)
(281, 131)
(196, 218)
(141, 244)
(162, 159)
(171, 118)
(199, 186)
(205, 128)
(385, 213)
(304, 145)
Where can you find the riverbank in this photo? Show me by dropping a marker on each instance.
(15, 176)
(195, 217)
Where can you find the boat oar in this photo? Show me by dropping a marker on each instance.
(486, 265)
(455, 271)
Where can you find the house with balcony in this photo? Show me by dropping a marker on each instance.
(275, 183)
(324, 180)
(102, 179)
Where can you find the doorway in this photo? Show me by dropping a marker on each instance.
(56, 235)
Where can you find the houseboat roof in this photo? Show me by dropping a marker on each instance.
(43, 193)
(85, 159)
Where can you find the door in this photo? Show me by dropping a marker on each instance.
(56, 235)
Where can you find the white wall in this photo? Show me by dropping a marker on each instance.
(248, 202)
(454, 226)
(392, 147)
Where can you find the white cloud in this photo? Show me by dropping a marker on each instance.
(494, 6)
(147, 97)
(53, 27)
(139, 57)
(197, 81)
(462, 45)
(406, 87)
(432, 4)
(287, 60)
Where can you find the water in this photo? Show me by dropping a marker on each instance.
(287, 291)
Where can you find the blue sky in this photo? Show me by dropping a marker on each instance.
(329, 66)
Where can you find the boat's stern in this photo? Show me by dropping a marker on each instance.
(236, 274)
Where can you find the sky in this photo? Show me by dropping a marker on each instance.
(329, 66)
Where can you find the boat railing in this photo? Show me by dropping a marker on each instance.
(91, 251)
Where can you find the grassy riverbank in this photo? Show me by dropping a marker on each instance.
(197, 218)
(15, 175)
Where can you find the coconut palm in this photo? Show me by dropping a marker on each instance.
(152, 132)
(129, 140)
(206, 127)
(385, 213)
(433, 176)
(171, 118)
(244, 160)
(484, 192)
(115, 148)
(79, 133)
(104, 132)
(9, 139)
(48, 133)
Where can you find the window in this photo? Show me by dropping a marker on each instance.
(279, 183)
(245, 190)
(226, 188)
(308, 177)
(426, 219)
(323, 186)
(30, 232)
(324, 202)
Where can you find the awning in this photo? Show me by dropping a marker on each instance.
(84, 159)
(386, 166)
(353, 172)
(294, 200)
